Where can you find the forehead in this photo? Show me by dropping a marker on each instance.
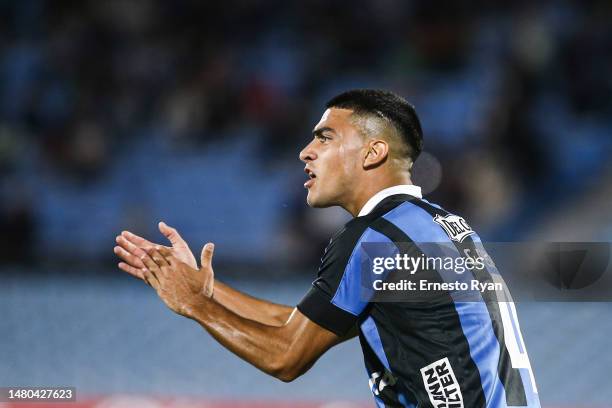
(334, 118)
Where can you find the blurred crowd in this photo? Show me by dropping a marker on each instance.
(515, 100)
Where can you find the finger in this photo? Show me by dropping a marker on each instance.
(137, 272)
(128, 257)
(171, 233)
(168, 255)
(207, 254)
(157, 257)
(149, 264)
(136, 239)
(150, 278)
(130, 246)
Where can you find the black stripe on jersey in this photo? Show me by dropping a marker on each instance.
(316, 304)
(473, 393)
(388, 396)
(509, 376)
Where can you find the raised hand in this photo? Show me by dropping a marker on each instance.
(181, 287)
(132, 247)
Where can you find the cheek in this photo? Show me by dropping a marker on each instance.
(348, 159)
(337, 166)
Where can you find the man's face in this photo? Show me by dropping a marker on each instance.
(333, 159)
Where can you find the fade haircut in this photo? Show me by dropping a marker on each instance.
(388, 107)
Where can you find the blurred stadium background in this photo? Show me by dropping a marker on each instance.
(117, 114)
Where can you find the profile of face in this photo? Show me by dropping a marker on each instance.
(334, 159)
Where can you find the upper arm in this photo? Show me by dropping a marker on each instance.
(335, 299)
(328, 313)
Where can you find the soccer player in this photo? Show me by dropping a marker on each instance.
(447, 353)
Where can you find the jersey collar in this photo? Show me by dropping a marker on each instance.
(409, 189)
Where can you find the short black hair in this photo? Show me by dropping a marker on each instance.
(386, 105)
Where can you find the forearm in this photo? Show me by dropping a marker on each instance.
(264, 346)
(249, 307)
(284, 351)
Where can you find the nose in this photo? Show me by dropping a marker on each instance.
(308, 154)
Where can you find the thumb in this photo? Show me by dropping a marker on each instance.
(207, 254)
(170, 233)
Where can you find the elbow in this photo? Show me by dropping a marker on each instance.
(286, 371)
(287, 376)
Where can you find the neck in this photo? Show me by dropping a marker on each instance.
(371, 187)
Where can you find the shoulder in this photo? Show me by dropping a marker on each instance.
(429, 222)
(356, 230)
(343, 242)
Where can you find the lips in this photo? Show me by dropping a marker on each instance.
(311, 176)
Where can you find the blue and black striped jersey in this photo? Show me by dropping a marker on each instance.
(445, 352)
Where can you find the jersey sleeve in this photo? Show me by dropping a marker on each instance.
(334, 300)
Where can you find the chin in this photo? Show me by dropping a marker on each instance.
(317, 202)
(311, 201)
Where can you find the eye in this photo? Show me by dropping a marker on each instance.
(322, 138)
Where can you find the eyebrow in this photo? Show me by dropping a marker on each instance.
(320, 131)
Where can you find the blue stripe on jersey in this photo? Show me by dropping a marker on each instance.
(533, 400)
(347, 296)
(379, 402)
(370, 332)
(418, 224)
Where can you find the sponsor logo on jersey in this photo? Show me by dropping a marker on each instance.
(378, 381)
(441, 385)
(454, 226)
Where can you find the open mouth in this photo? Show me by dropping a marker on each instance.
(311, 177)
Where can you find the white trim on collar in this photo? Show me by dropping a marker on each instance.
(409, 189)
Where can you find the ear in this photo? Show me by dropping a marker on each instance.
(377, 153)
